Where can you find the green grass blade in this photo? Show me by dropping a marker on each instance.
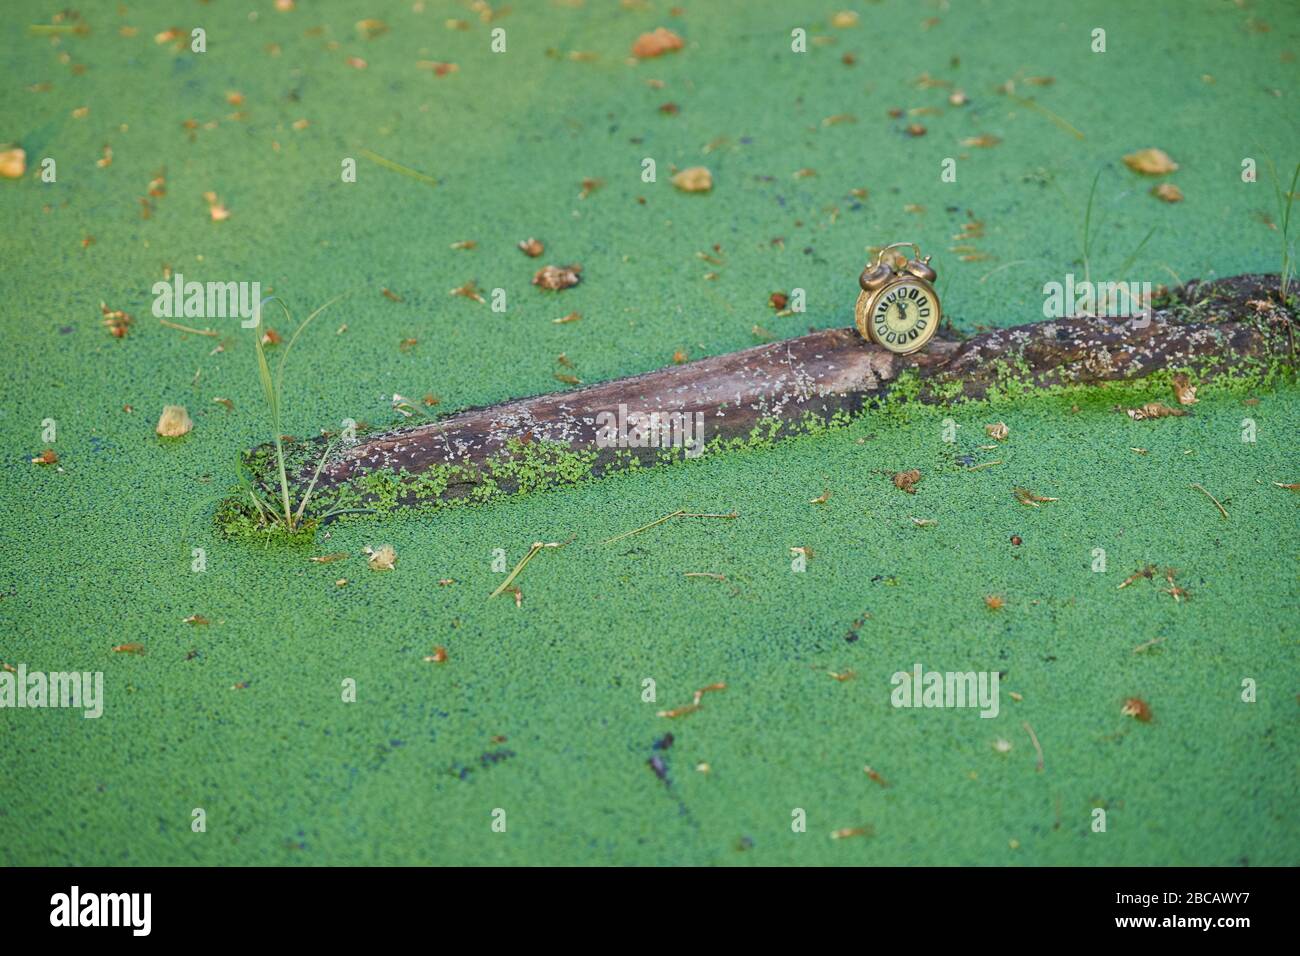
(284, 356)
(270, 387)
(307, 494)
(1133, 256)
(1087, 227)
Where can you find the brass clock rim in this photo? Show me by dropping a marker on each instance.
(866, 300)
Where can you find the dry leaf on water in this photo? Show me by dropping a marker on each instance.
(906, 481)
(13, 163)
(1150, 162)
(1137, 708)
(1168, 192)
(654, 44)
(1027, 497)
(174, 422)
(558, 277)
(696, 179)
(998, 431)
(1184, 390)
(1153, 410)
(382, 558)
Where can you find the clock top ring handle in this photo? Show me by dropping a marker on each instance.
(875, 275)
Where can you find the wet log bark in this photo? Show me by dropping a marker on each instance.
(1208, 328)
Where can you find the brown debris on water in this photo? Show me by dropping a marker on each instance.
(1033, 499)
(469, 291)
(695, 179)
(1150, 162)
(1154, 410)
(656, 43)
(1223, 511)
(48, 457)
(1038, 748)
(328, 558)
(438, 67)
(1137, 708)
(13, 162)
(174, 422)
(906, 480)
(695, 703)
(383, 558)
(531, 248)
(1167, 192)
(557, 278)
(1145, 572)
(115, 320)
(845, 832)
(875, 777)
(216, 208)
(1184, 390)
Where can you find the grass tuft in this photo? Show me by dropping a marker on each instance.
(281, 515)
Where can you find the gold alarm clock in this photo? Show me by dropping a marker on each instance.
(898, 308)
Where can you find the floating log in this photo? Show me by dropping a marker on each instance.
(774, 390)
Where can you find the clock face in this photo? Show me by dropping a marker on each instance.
(904, 316)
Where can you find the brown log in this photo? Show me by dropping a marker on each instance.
(1208, 328)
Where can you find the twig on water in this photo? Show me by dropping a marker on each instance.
(186, 328)
(398, 167)
(1054, 117)
(537, 546)
(1033, 737)
(675, 514)
(1222, 510)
